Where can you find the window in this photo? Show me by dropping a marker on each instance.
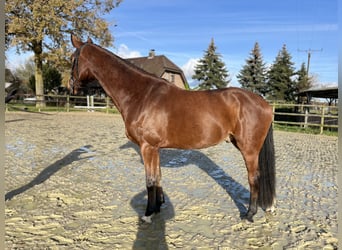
(172, 78)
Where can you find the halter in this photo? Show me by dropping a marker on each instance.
(75, 67)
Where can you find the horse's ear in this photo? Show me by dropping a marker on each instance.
(76, 42)
(89, 40)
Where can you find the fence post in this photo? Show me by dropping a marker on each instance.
(92, 103)
(322, 120)
(273, 110)
(306, 117)
(301, 111)
(107, 104)
(88, 103)
(39, 101)
(68, 103)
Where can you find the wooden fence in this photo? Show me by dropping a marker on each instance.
(63, 103)
(320, 116)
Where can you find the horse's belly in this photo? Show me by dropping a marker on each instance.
(195, 137)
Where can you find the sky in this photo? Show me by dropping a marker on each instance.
(182, 31)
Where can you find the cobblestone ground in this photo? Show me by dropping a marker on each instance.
(73, 181)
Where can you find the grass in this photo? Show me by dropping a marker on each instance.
(308, 130)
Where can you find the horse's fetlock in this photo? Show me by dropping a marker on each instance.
(150, 181)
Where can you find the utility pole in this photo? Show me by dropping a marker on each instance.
(308, 51)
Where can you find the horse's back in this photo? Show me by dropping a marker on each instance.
(226, 102)
(197, 119)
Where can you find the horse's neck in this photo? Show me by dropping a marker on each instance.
(122, 82)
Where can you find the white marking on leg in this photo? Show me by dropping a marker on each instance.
(150, 181)
(272, 208)
(147, 219)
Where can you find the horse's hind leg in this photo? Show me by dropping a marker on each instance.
(155, 196)
(160, 193)
(253, 180)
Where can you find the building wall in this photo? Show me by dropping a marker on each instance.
(174, 78)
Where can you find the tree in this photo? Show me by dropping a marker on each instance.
(51, 77)
(280, 77)
(11, 79)
(211, 70)
(303, 81)
(32, 83)
(24, 72)
(44, 27)
(253, 74)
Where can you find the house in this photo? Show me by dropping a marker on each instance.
(161, 66)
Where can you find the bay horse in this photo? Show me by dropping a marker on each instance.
(157, 114)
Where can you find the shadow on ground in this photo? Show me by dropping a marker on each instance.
(151, 236)
(51, 170)
(175, 157)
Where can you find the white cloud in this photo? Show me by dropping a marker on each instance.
(329, 84)
(189, 68)
(125, 52)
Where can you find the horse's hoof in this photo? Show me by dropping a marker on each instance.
(270, 209)
(249, 217)
(147, 219)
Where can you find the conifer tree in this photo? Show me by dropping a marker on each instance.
(211, 71)
(303, 81)
(280, 77)
(252, 76)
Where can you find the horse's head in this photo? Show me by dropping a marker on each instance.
(80, 72)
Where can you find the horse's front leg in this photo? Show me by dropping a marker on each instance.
(155, 196)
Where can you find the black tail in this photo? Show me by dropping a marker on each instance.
(267, 180)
